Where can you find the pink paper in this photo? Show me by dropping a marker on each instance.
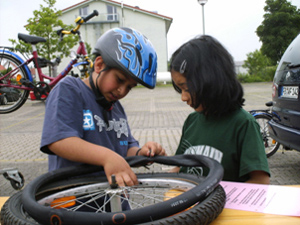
(271, 199)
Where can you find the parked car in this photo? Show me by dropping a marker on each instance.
(285, 126)
(8, 94)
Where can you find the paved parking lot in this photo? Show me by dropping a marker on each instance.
(156, 115)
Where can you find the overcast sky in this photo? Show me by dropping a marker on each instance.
(232, 22)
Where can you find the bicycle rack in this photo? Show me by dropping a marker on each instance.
(14, 176)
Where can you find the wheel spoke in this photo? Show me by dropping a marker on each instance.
(149, 192)
(15, 97)
(271, 146)
(159, 197)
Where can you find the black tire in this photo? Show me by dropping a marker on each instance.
(271, 146)
(8, 62)
(203, 213)
(204, 187)
(50, 184)
(13, 212)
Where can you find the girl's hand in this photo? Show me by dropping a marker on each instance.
(151, 149)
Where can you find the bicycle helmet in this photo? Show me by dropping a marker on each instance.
(131, 52)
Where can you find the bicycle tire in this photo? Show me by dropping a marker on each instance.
(271, 146)
(8, 61)
(202, 213)
(45, 215)
(13, 212)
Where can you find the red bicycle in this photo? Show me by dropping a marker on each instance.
(16, 78)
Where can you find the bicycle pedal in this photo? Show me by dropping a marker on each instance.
(32, 96)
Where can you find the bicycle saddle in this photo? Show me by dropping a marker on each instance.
(30, 38)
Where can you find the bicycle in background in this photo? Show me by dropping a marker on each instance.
(16, 78)
(263, 116)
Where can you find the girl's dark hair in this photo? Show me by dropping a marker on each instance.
(210, 75)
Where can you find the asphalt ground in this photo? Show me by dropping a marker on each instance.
(154, 115)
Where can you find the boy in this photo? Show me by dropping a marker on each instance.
(86, 124)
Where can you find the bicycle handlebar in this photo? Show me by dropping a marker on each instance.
(79, 21)
(88, 17)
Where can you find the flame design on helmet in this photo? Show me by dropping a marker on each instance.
(131, 52)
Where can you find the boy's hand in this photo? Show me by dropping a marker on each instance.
(117, 165)
(151, 149)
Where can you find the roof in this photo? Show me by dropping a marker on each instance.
(134, 8)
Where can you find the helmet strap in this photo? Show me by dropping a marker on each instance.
(100, 99)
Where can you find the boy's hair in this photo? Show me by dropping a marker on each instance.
(210, 74)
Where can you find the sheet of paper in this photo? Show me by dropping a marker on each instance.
(272, 199)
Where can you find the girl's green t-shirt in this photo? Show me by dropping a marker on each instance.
(233, 140)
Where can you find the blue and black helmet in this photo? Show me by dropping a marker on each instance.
(131, 52)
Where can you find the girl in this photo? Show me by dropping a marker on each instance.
(203, 73)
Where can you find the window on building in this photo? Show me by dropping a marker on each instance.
(84, 11)
(111, 13)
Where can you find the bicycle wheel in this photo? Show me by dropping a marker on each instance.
(202, 213)
(38, 196)
(13, 212)
(15, 97)
(271, 146)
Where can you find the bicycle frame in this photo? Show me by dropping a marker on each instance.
(16, 78)
(11, 73)
(81, 51)
(53, 80)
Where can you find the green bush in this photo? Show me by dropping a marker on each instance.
(249, 79)
(6, 70)
(265, 75)
(270, 72)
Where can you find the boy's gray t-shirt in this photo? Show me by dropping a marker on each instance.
(72, 111)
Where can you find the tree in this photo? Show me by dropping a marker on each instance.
(259, 66)
(280, 26)
(256, 62)
(44, 24)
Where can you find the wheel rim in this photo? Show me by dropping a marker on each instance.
(8, 64)
(148, 192)
(269, 143)
(47, 215)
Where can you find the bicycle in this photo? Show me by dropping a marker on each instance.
(263, 116)
(16, 78)
(62, 196)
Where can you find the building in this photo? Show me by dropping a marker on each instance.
(115, 14)
(239, 69)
